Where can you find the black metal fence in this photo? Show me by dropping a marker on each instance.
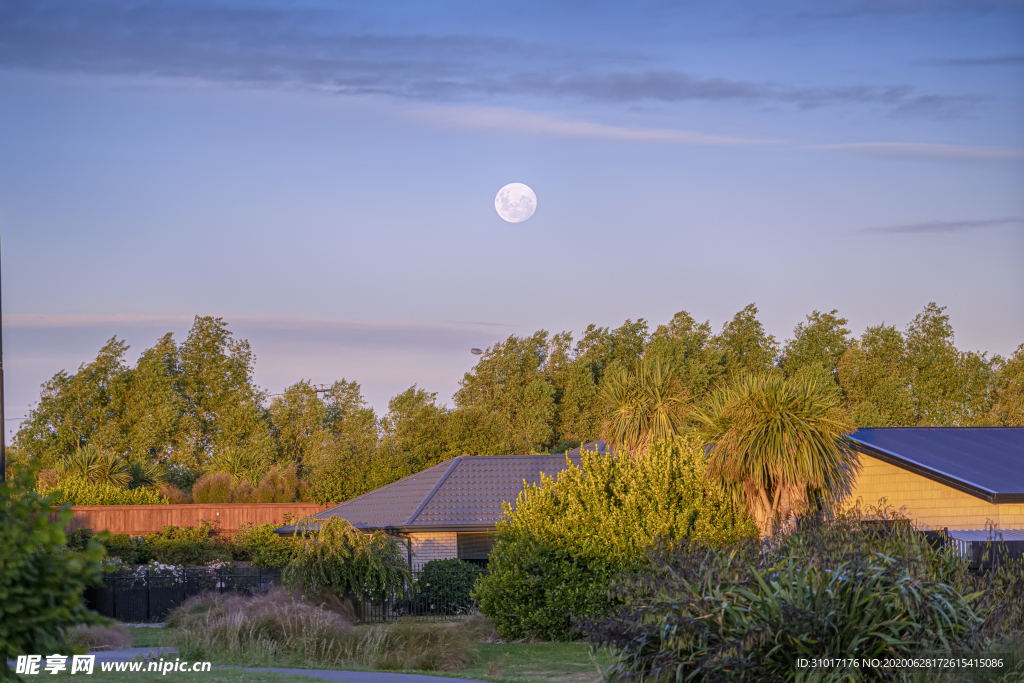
(149, 596)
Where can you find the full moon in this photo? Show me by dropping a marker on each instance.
(515, 202)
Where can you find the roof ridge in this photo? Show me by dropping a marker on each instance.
(442, 480)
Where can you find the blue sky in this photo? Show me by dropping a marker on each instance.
(322, 174)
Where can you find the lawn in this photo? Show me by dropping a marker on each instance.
(500, 662)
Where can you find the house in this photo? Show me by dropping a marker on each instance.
(448, 510)
(958, 479)
(945, 477)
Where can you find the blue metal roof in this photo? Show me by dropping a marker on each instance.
(987, 462)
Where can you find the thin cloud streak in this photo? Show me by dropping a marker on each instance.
(926, 150)
(998, 60)
(43, 321)
(529, 123)
(946, 226)
(291, 48)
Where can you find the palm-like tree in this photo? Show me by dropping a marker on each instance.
(644, 407)
(779, 445)
(96, 465)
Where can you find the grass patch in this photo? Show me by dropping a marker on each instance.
(521, 662)
(148, 637)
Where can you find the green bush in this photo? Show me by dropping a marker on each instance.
(445, 586)
(259, 544)
(338, 558)
(41, 580)
(187, 545)
(833, 588)
(78, 540)
(559, 549)
(131, 549)
(73, 490)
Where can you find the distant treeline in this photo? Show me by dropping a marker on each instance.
(189, 409)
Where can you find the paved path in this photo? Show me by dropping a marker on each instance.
(325, 674)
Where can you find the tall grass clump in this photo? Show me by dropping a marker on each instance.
(847, 586)
(278, 629)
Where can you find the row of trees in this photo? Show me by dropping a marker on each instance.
(192, 408)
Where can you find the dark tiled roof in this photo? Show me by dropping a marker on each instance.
(461, 494)
(987, 462)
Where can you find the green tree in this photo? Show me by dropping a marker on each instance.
(76, 410)
(877, 379)
(601, 348)
(778, 445)
(821, 340)
(950, 387)
(41, 581)
(223, 418)
(1008, 390)
(644, 406)
(745, 346)
(509, 382)
(689, 349)
(577, 416)
(415, 429)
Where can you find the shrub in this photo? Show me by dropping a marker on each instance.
(276, 629)
(263, 547)
(78, 540)
(559, 549)
(174, 495)
(73, 490)
(187, 545)
(445, 586)
(41, 581)
(834, 588)
(131, 549)
(213, 487)
(278, 486)
(243, 493)
(351, 564)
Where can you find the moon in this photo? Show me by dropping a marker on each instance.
(515, 202)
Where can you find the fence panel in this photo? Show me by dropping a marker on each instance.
(144, 596)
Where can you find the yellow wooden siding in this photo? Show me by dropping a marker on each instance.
(931, 504)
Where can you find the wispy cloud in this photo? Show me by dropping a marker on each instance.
(529, 123)
(289, 47)
(947, 226)
(926, 150)
(997, 60)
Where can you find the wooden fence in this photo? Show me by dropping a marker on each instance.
(139, 520)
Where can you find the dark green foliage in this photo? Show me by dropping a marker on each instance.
(260, 545)
(131, 549)
(839, 587)
(41, 580)
(337, 558)
(187, 545)
(444, 586)
(78, 540)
